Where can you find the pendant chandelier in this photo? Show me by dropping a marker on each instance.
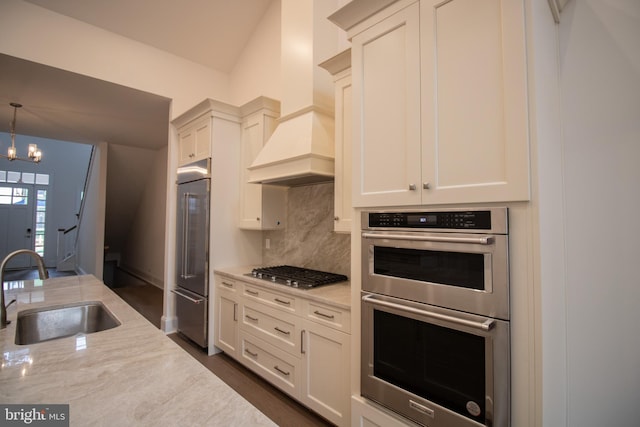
(34, 154)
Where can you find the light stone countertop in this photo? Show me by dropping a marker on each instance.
(131, 375)
(337, 294)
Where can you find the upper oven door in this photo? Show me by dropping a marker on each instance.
(467, 272)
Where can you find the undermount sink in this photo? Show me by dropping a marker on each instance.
(49, 323)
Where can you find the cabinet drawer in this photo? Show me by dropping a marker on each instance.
(228, 284)
(328, 315)
(278, 300)
(272, 325)
(276, 366)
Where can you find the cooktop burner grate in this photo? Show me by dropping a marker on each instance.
(297, 277)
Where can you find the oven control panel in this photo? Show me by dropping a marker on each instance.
(485, 220)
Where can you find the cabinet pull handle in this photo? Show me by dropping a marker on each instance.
(282, 302)
(227, 284)
(235, 312)
(254, 319)
(281, 331)
(302, 332)
(250, 292)
(326, 316)
(281, 371)
(250, 353)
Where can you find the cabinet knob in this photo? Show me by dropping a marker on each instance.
(426, 185)
(336, 218)
(257, 218)
(412, 187)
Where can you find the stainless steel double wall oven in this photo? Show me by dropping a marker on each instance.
(435, 315)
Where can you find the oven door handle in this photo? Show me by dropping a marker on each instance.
(487, 325)
(484, 240)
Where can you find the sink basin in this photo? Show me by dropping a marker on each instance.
(49, 323)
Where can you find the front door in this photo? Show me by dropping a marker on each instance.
(16, 222)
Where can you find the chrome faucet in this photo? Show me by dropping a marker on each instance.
(42, 272)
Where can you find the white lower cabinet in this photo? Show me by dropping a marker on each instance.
(299, 345)
(366, 414)
(278, 367)
(226, 325)
(325, 372)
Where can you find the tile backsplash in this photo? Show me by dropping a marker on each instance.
(308, 239)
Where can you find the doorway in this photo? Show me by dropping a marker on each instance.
(23, 203)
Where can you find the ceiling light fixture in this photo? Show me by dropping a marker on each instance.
(34, 155)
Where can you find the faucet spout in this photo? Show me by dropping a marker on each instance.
(42, 272)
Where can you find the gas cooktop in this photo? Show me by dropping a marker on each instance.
(296, 277)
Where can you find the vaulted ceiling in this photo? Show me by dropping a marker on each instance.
(59, 104)
(55, 102)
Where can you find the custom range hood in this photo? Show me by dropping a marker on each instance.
(301, 149)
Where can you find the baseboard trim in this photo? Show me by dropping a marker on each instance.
(142, 276)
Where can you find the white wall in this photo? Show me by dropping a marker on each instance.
(37, 34)
(599, 59)
(66, 163)
(90, 251)
(144, 250)
(257, 72)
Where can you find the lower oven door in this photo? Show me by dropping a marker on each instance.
(435, 366)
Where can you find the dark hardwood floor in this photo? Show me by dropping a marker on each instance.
(280, 408)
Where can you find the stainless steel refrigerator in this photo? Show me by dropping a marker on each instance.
(192, 250)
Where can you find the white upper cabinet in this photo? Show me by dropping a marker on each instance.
(262, 207)
(386, 90)
(340, 68)
(195, 128)
(440, 108)
(195, 140)
(475, 135)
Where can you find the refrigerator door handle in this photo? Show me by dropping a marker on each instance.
(184, 274)
(183, 295)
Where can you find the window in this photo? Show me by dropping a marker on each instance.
(14, 196)
(41, 209)
(14, 177)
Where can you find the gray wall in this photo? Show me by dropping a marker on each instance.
(66, 163)
(143, 252)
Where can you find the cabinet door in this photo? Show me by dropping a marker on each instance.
(226, 337)
(386, 87)
(186, 144)
(262, 207)
(202, 148)
(326, 373)
(194, 141)
(474, 104)
(343, 163)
